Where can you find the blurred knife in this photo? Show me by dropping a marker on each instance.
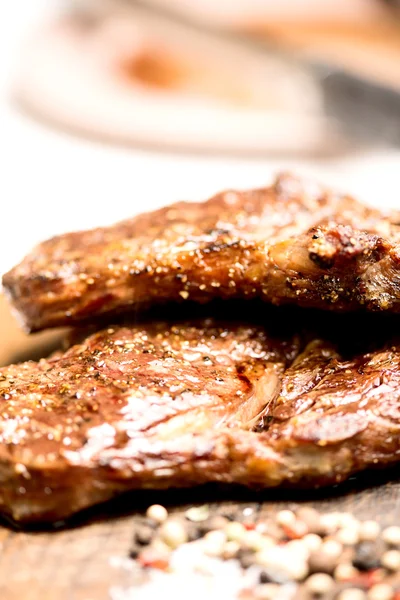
(366, 111)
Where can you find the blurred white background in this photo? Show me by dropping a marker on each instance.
(51, 181)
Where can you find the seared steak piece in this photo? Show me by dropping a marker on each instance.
(160, 405)
(291, 243)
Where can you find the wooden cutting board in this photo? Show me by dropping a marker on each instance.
(87, 560)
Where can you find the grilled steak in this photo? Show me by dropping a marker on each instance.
(161, 405)
(291, 243)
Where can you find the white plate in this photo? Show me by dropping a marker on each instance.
(72, 76)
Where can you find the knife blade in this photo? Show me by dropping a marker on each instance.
(366, 111)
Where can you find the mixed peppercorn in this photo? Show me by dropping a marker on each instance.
(302, 555)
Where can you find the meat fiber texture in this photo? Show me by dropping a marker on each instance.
(159, 405)
(292, 243)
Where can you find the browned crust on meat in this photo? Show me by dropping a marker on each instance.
(161, 405)
(293, 242)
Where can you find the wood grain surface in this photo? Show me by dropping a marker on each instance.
(88, 558)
